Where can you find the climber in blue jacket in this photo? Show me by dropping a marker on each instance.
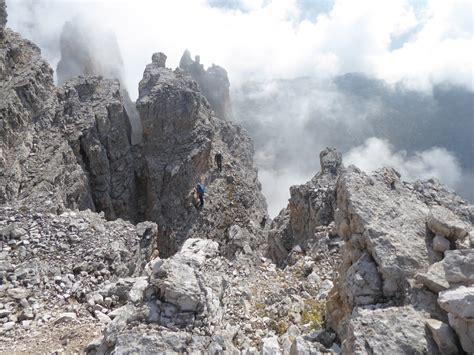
(200, 189)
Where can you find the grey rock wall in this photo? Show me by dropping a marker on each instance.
(3, 16)
(310, 207)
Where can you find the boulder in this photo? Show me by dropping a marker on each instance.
(458, 301)
(18, 293)
(103, 318)
(66, 317)
(270, 346)
(393, 330)
(364, 284)
(444, 337)
(459, 266)
(195, 251)
(136, 293)
(465, 330)
(442, 221)
(178, 285)
(440, 244)
(435, 278)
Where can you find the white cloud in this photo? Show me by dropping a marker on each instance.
(266, 39)
(435, 162)
(275, 185)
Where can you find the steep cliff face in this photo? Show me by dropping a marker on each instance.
(213, 83)
(402, 244)
(94, 118)
(36, 163)
(62, 148)
(181, 137)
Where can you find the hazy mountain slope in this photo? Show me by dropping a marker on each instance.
(290, 120)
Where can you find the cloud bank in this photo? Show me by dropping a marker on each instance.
(435, 162)
(418, 42)
(297, 48)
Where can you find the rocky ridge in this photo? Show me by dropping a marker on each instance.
(356, 263)
(390, 262)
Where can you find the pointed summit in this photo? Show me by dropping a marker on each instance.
(213, 82)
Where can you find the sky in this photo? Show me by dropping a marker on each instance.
(414, 43)
(420, 42)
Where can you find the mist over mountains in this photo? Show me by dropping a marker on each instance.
(302, 76)
(420, 134)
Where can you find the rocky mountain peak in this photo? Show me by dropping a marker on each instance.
(181, 137)
(213, 82)
(330, 160)
(106, 247)
(159, 59)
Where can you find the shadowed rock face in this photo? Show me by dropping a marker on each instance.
(62, 147)
(181, 137)
(3, 16)
(213, 83)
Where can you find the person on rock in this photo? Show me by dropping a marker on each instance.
(200, 189)
(218, 160)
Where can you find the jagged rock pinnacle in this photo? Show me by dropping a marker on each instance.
(213, 82)
(186, 60)
(331, 160)
(159, 59)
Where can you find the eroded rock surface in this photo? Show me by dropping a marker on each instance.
(389, 228)
(385, 264)
(311, 207)
(181, 137)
